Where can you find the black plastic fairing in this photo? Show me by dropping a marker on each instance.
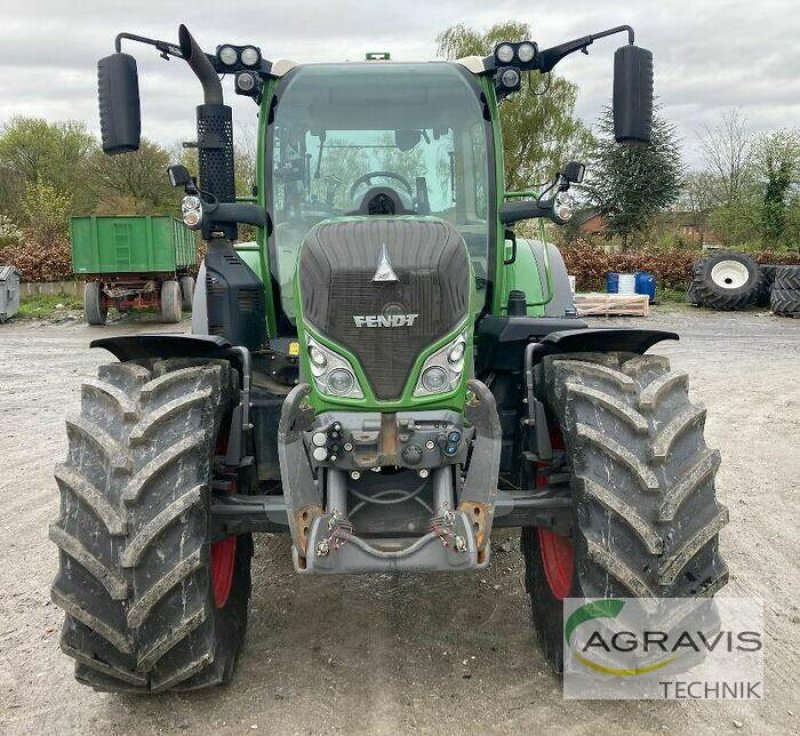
(502, 340)
(234, 298)
(141, 347)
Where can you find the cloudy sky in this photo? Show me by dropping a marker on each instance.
(709, 55)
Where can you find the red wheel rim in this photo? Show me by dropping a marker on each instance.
(223, 559)
(558, 557)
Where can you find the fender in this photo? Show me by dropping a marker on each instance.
(502, 340)
(148, 347)
(602, 340)
(143, 347)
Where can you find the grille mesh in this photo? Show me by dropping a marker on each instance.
(215, 151)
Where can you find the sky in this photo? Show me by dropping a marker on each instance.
(709, 56)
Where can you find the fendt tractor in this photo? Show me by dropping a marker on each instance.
(387, 374)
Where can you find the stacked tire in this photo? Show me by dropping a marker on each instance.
(767, 282)
(725, 281)
(785, 295)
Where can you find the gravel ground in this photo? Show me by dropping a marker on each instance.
(404, 653)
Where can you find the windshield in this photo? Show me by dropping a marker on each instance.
(359, 139)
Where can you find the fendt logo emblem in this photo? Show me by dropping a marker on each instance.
(394, 315)
(385, 320)
(384, 272)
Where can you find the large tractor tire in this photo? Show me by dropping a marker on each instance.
(787, 277)
(785, 302)
(767, 282)
(726, 281)
(150, 605)
(171, 301)
(646, 520)
(94, 309)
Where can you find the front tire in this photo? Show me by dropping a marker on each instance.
(646, 518)
(136, 574)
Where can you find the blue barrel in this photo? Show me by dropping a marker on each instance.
(646, 284)
(612, 282)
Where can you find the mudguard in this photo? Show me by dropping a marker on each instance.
(502, 340)
(142, 347)
(603, 340)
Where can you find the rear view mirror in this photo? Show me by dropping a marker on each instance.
(633, 94)
(178, 175)
(118, 97)
(573, 172)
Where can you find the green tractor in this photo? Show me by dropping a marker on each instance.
(386, 374)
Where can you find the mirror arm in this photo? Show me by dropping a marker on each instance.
(548, 58)
(243, 213)
(512, 212)
(167, 49)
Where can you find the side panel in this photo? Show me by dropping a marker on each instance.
(123, 244)
(528, 273)
(249, 253)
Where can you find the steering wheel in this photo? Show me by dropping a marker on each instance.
(367, 179)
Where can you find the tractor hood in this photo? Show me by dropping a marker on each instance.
(387, 290)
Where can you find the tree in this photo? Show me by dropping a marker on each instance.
(133, 183)
(728, 153)
(777, 162)
(540, 129)
(698, 198)
(33, 150)
(631, 184)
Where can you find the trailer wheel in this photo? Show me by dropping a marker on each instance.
(137, 578)
(187, 293)
(94, 310)
(727, 281)
(171, 302)
(642, 478)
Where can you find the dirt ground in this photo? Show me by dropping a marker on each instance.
(405, 653)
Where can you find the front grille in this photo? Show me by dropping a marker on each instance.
(337, 265)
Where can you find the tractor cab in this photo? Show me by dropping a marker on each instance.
(378, 140)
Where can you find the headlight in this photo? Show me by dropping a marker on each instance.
(332, 374)
(510, 78)
(564, 206)
(250, 56)
(456, 355)
(318, 360)
(227, 55)
(443, 370)
(504, 53)
(435, 379)
(192, 211)
(526, 51)
(246, 81)
(341, 381)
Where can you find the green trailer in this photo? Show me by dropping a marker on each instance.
(134, 262)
